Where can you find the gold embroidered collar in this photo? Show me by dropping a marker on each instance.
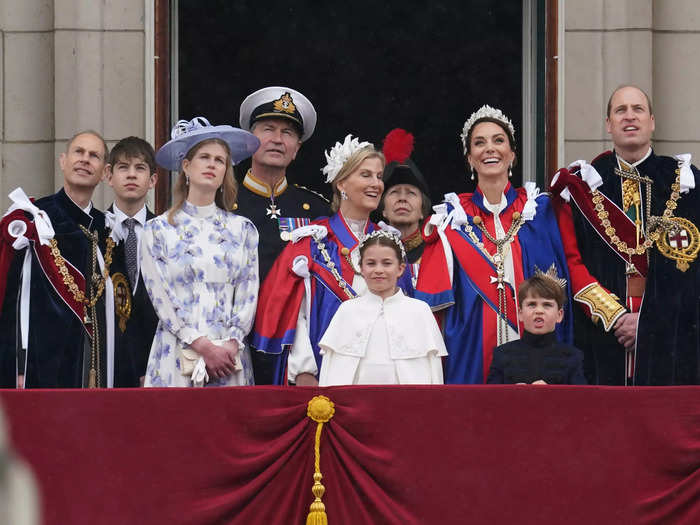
(262, 188)
(412, 241)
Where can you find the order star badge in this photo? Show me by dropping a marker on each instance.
(273, 211)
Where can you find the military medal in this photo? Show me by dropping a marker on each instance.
(273, 211)
(288, 224)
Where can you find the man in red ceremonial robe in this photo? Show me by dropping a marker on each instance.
(629, 221)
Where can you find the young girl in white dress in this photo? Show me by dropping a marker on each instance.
(382, 337)
(199, 263)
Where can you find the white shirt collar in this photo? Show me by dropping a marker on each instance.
(635, 164)
(120, 216)
(496, 209)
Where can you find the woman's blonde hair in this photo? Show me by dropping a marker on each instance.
(351, 165)
(225, 196)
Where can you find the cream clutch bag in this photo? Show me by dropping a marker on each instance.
(189, 359)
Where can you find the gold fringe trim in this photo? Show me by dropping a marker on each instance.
(321, 410)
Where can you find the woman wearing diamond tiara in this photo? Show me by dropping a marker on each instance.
(319, 269)
(480, 246)
(199, 262)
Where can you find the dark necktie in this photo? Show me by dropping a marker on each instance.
(130, 248)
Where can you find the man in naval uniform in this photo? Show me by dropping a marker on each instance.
(56, 324)
(282, 118)
(630, 220)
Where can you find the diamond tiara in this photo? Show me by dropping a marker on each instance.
(339, 155)
(389, 235)
(484, 112)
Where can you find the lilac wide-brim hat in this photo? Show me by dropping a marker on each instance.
(185, 135)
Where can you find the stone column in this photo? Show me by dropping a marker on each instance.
(676, 70)
(67, 65)
(99, 71)
(607, 43)
(26, 101)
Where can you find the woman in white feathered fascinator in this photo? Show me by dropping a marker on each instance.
(319, 268)
(342, 162)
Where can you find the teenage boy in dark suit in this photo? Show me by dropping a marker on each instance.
(131, 172)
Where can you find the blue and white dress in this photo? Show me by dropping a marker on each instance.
(202, 277)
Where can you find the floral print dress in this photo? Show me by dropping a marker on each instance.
(202, 277)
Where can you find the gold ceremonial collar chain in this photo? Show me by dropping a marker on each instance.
(655, 225)
(68, 279)
(498, 260)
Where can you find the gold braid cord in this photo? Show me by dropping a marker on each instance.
(321, 410)
(602, 304)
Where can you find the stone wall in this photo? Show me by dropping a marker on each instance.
(652, 43)
(66, 65)
(74, 64)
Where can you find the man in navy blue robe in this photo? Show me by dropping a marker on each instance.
(632, 222)
(54, 333)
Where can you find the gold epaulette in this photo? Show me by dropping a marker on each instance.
(602, 304)
(319, 195)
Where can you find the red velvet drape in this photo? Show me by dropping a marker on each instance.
(405, 455)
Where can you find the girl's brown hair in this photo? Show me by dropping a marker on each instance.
(225, 196)
(381, 241)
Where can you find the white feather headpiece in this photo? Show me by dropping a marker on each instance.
(483, 112)
(339, 155)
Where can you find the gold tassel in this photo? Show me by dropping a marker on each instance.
(321, 410)
(92, 378)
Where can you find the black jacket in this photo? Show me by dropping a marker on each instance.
(536, 357)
